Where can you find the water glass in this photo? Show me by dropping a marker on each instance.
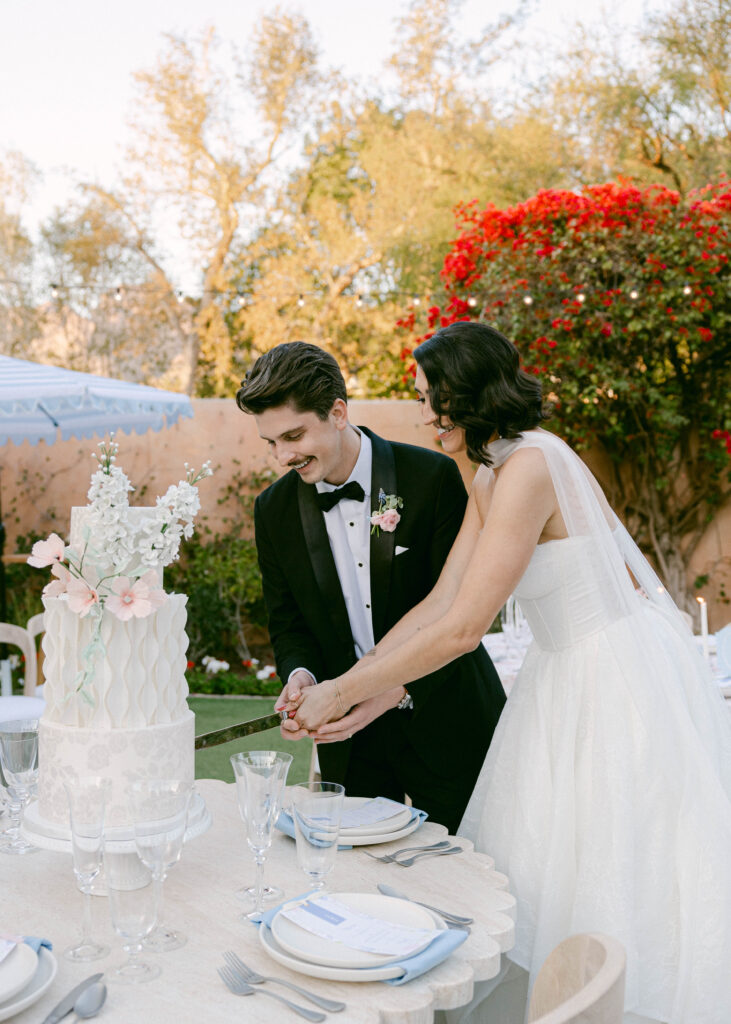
(133, 907)
(19, 761)
(260, 777)
(316, 811)
(87, 799)
(160, 815)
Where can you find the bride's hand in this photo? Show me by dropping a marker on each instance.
(317, 705)
(359, 717)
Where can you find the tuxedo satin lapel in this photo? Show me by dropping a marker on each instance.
(383, 478)
(323, 563)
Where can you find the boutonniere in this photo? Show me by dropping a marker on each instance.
(387, 517)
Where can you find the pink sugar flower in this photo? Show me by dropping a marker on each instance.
(58, 586)
(46, 552)
(82, 597)
(136, 599)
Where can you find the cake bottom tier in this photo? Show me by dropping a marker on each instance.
(67, 753)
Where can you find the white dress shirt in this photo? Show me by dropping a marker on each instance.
(348, 526)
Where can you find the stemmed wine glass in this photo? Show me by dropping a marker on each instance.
(87, 799)
(133, 907)
(19, 760)
(316, 810)
(260, 778)
(160, 814)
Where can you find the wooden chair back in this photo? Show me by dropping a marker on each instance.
(582, 982)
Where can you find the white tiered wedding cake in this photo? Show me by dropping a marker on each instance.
(115, 647)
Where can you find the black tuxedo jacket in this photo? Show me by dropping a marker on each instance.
(456, 707)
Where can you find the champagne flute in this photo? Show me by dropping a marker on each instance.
(19, 761)
(260, 778)
(160, 814)
(87, 799)
(133, 908)
(316, 811)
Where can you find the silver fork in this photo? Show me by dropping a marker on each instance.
(408, 861)
(252, 978)
(234, 983)
(388, 858)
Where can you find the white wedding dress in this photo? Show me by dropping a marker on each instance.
(606, 793)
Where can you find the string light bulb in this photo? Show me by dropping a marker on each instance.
(687, 290)
(359, 301)
(417, 300)
(634, 294)
(118, 294)
(581, 297)
(472, 301)
(301, 301)
(54, 291)
(528, 300)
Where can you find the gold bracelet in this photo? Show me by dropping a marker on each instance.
(340, 702)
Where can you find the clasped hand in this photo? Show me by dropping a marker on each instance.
(317, 713)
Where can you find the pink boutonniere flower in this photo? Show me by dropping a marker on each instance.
(387, 517)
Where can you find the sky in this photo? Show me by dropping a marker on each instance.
(66, 68)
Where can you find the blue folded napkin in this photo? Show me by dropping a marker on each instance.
(35, 943)
(412, 966)
(285, 824)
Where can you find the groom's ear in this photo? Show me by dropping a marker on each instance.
(339, 414)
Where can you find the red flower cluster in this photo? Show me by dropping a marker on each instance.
(725, 436)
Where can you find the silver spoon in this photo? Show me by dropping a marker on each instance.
(90, 1001)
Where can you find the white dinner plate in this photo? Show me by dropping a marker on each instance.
(306, 945)
(396, 821)
(16, 970)
(384, 837)
(362, 974)
(36, 987)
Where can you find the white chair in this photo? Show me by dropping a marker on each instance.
(20, 637)
(35, 627)
(581, 981)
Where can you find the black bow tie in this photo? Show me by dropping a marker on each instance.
(329, 499)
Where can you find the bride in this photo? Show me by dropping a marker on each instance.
(606, 793)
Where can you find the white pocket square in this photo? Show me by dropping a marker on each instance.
(400, 550)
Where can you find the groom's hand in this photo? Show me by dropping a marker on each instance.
(358, 717)
(289, 700)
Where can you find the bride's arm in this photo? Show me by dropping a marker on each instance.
(489, 568)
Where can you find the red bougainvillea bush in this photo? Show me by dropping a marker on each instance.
(620, 299)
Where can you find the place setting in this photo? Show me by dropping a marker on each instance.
(338, 936)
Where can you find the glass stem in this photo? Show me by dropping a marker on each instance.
(259, 882)
(86, 920)
(157, 882)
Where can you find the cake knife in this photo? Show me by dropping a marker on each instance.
(67, 1003)
(235, 732)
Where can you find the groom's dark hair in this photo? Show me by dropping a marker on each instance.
(295, 373)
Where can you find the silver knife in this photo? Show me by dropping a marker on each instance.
(67, 1003)
(235, 732)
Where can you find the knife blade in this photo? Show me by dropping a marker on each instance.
(67, 1003)
(235, 732)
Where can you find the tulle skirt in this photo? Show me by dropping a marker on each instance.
(606, 799)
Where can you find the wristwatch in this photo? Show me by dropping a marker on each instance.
(406, 703)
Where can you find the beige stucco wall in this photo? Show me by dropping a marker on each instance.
(38, 485)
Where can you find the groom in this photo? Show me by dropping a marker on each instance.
(333, 586)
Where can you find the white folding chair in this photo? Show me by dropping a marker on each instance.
(20, 637)
(35, 627)
(582, 980)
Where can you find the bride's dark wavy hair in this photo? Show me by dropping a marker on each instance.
(475, 381)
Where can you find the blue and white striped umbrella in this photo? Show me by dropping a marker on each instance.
(38, 401)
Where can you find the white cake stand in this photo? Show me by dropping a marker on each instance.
(51, 836)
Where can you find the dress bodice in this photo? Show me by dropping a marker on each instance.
(563, 596)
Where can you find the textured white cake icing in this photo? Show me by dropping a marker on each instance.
(137, 725)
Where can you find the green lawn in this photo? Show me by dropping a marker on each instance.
(212, 713)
